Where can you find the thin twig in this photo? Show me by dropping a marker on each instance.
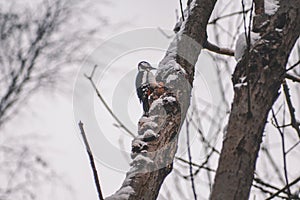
(196, 165)
(283, 152)
(228, 15)
(292, 147)
(248, 39)
(284, 188)
(262, 189)
(249, 26)
(273, 164)
(92, 162)
(214, 48)
(164, 33)
(293, 66)
(190, 158)
(293, 78)
(285, 125)
(205, 162)
(203, 139)
(245, 26)
(90, 78)
(177, 15)
(266, 191)
(248, 75)
(181, 9)
(261, 182)
(294, 122)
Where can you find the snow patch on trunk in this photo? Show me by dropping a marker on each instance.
(141, 160)
(241, 44)
(169, 99)
(122, 194)
(239, 85)
(171, 78)
(271, 6)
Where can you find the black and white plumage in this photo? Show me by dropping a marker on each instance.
(145, 83)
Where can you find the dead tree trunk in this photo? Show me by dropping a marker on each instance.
(264, 68)
(154, 149)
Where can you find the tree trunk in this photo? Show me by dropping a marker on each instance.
(264, 67)
(154, 149)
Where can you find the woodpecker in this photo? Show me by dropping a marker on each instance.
(145, 83)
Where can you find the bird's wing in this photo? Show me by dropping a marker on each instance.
(138, 80)
(140, 94)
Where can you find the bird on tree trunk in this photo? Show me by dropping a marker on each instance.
(145, 84)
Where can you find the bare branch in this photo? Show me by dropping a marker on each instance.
(214, 48)
(214, 21)
(92, 162)
(293, 77)
(181, 9)
(261, 182)
(190, 158)
(164, 33)
(293, 66)
(203, 139)
(292, 147)
(90, 78)
(248, 39)
(295, 124)
(284, 188)
(202, 166)
(283, 152)
(273, 163)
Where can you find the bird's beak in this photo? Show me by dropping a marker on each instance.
(152, 68)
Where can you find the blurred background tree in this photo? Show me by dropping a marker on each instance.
(40, 42)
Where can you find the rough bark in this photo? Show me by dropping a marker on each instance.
(264, 67)
(154, 149)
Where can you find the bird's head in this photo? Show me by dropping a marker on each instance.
(145, 66)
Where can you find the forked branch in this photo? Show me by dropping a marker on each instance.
(90, 78)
